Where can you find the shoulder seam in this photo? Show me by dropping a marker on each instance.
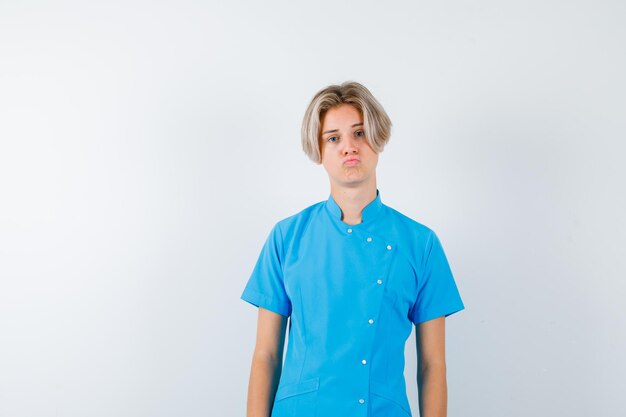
(282, 249)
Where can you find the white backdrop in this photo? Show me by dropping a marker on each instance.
(146, 149)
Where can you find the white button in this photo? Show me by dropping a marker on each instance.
(363, 361)
(380, 281)
(361, 401)
(369, 239)
(370, 321)
(388, 247)
(349, 230)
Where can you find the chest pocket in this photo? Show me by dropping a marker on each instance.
(389, 299)
(296, 400)
(401, 288)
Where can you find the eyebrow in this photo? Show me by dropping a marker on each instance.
(337, 130)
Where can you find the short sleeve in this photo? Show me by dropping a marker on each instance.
(265, 287)
(437, 293)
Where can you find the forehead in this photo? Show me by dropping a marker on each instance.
(342, 114)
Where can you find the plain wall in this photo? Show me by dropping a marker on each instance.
(146, 149)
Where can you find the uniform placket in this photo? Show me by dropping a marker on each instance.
(379, 253)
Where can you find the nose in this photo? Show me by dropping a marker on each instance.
(351, 146)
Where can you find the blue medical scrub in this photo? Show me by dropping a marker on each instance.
(353, 293)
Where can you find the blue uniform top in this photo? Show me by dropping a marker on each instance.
(352, 293)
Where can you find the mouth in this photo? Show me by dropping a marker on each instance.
(353, 161)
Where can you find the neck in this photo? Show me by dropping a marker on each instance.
(352, 200)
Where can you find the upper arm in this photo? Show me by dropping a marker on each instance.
(431, 342)
(270, 338)
(437, 294)
(266, 287)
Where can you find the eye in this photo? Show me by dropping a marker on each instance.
(330, 139)
(359, 133)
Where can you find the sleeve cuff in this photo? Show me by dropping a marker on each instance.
(435, 313)
(268, 303)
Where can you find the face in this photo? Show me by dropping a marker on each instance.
(342, 139)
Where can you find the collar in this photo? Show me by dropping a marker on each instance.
(369, 214)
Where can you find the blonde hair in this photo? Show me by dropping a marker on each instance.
(376, 123)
